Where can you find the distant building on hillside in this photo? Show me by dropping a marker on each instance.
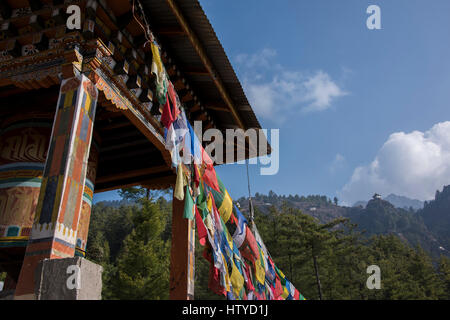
(376, 196)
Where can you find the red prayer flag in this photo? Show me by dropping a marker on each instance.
(205, 157)
(296, 295)
(173, 97)
(214, 281)
(167, 117)
(249, 248)
(209, 175)
(249, 283)
(201, 229)
(278, 289)
(210, 178)
(196, 176)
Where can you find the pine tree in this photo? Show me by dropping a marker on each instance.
(143, 263)
(444, 274)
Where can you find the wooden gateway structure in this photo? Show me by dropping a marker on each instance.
(78, 115)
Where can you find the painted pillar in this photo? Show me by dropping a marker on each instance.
(54, 231)
(23, 150)
(182, 255)
(86, 206)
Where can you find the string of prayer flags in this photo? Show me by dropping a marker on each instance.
(240, 264)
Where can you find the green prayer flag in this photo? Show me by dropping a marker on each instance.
(201, 201)
(188, 205)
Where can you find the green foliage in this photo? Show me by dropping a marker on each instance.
(137, 193)
(444, 274)
(133, 193)
(436, 215)
(342, 256)
(143, 264)
(132, 242)
(2, 276)
(272, 198)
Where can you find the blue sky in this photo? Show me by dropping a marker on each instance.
(359, 111)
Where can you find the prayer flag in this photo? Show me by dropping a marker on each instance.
(237, 281)
(209, 173)
(179, 185)
(188, 205)
(239, 234)
(201, 229)
(167, 117)
(223, 201)
(172, 95)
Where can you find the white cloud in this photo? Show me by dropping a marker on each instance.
(320, 90)
(276, 92)
(412, 164)
(337, 164)
(262, 59)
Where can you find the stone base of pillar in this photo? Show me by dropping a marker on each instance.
(68, 279)
(7, 295)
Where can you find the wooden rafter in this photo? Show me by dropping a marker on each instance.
(131, 174)
(206, 61)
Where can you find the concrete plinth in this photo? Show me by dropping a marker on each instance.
(68, 279)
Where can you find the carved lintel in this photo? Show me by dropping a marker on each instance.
(73, 63)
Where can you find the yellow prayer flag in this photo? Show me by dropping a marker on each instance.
(226, 207)
(285, 293)
(157, 58)
(209, 203)
(260, 273)
(237, 280)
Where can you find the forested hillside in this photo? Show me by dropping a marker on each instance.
(132, 242)
(436, 215)
(429, 227)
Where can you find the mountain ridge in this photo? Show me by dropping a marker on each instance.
(428, 227)
(398, 201)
